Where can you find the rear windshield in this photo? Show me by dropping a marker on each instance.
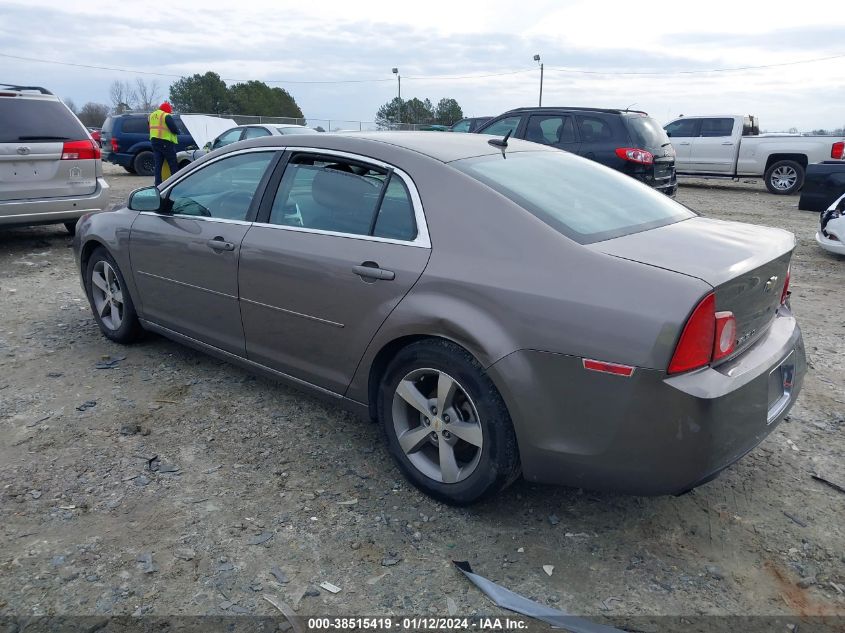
(295, 130)
(646, 132)
(585, 201)
(35, 120)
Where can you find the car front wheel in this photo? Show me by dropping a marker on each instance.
(109, 298)
(446, 424)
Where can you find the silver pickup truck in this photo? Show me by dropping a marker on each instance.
(731, 146)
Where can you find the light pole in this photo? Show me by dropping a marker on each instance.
(537, 59)
(399, 80)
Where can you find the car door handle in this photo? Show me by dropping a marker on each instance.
(727, 143)
(373, 272)
(219, 244)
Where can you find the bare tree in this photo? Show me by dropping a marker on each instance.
(148, 94)
(122, 96)
(93, 114)
(70, 104)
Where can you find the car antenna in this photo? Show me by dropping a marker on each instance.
(501, 142)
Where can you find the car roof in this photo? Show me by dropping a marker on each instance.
(572, 108)
(442, 147)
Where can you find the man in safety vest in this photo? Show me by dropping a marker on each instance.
(163, 137)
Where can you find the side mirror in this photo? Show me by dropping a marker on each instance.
(207, 146)
(146, 199)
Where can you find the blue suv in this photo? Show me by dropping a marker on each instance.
(125, 141)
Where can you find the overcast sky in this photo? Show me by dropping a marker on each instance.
(345, 40)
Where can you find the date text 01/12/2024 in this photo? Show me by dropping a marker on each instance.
(417, 624)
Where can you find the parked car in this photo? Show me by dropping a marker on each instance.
(824, 183)
(626, 140)
(241, 132)
(50, 170)
(470, 124)
(498, 308)
(126, 141)
(731, 146)
(95, 134)
(831, 233)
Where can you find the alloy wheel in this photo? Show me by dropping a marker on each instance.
(437, 425)
(107, 295)
(784, 178)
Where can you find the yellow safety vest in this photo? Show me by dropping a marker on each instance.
(159, 129)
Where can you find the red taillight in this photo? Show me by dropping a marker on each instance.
(785, 294)
(80, 150)
(725, 339)
(635, 155)
(695, 347)
(114, 144)
(837, 150)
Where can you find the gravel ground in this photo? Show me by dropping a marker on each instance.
(153, 479)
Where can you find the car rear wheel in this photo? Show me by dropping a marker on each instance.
(144, 165)
(784, 177)
(446, 424)
(109, 298)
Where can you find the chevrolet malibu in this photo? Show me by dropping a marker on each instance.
(501, 308)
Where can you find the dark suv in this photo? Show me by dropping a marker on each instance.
(627, 140)
(125, 140)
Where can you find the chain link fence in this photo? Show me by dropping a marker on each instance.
(322, 125)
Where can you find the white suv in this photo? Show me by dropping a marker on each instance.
(50, 169)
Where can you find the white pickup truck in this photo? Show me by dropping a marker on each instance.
(731, 146)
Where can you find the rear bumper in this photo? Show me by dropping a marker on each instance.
(54, 210)
(124, 160)
(649, 434)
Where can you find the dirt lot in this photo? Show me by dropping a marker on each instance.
(260, 490)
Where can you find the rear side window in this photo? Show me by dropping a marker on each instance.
(580, 199)
(716, 127)
(550, 129)
(331, 194)
(35, 120)
(593, 129)
(646, 132)
(135, 125)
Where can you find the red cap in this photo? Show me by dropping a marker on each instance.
(166, 108)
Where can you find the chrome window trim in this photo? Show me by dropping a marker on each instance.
(196, 217)
(422, 240)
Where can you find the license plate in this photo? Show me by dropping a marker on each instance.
(781, 380)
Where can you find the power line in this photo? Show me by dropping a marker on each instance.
(580, 71)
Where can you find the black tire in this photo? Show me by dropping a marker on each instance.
(144, 164)
(71, 226)
(497, 466)
(784, 177)
(129, 168)
(129, 328)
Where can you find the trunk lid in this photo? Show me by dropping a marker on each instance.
(745, 264)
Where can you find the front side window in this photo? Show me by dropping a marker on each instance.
(683, 128)
(331, 194)
(503, 126)
(223, 189)
(717, 127)
(584, 201)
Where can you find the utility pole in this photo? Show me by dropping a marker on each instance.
(399, 80)
(537, 59)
